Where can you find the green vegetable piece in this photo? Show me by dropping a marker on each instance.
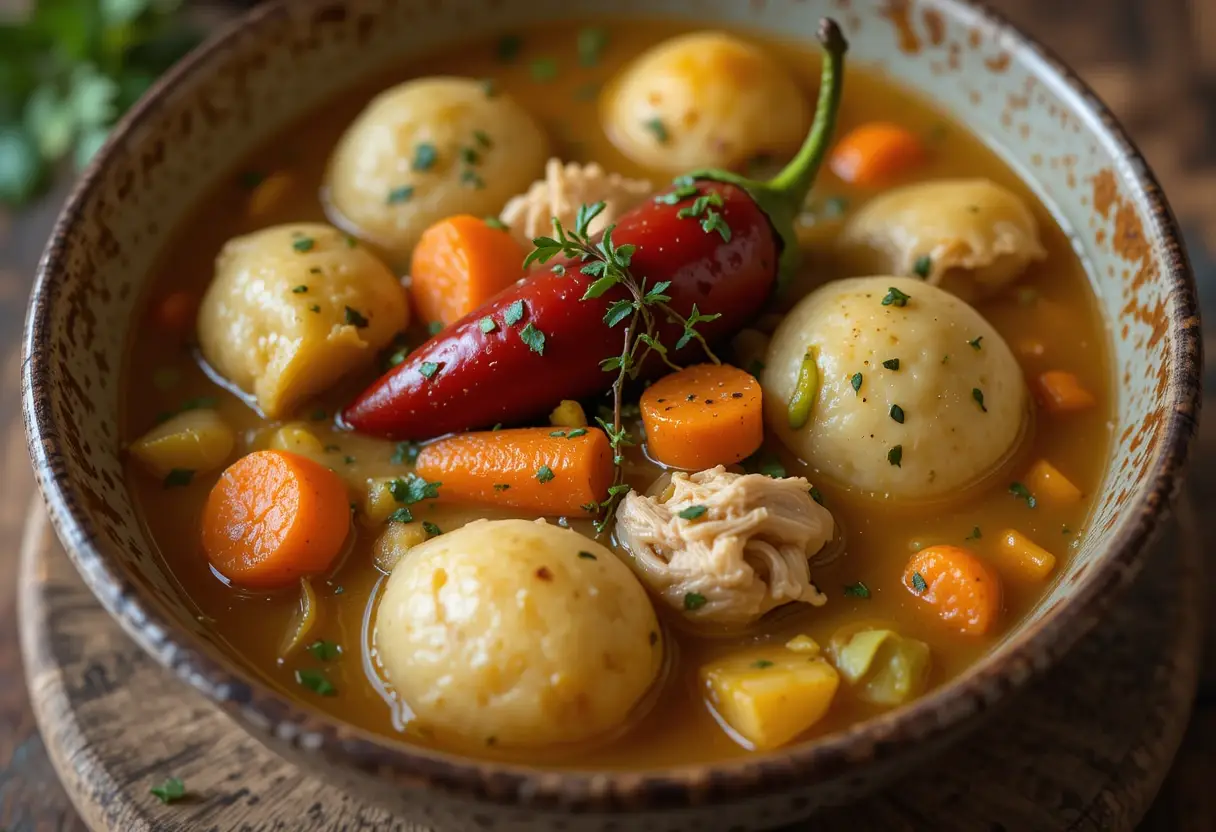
(884, 667)
(692, 512)
(806, 390)
(170, 791)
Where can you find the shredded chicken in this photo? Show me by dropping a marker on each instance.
(745, 555)
(563, 191)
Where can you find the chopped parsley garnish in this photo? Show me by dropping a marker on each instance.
(508, 48)
(715, 222)
(316, 682)
(469, 178)
(314, 308)
(761, 664)
(495, 223)
(576, 433)
(303, 244)
(405, 452)
(978, 395)
(895, 456)
(975, 342)
(487, 325)
(400, 194)
(544, 474)
(587, 555)
(412, 489)
(694, 601)
(558, 434)
(178, 477)
(325, 651)
(591, 43)
(700, 205)
(857, 590)
(894, 297)
(489, 87)
(170, 791)
(681, 192)
(543, 69)
(976, 534)
(816, 495)
(434, 328)
(424, 156)
(657, 129)
(314, 270)
(355, 318)
(483, 139)
(470, 156)
(1065, 530)
(501, 486)
(401, 515)
(692, 512)
(891, 363)
(513, 313)
(428, 369)
(922, 266)
(351, 242)
(1023, 493)
(897, 413)
(856, 382)
(533, 337)
(919, 585)
(431, 529)
(299, 290)
(349, 460)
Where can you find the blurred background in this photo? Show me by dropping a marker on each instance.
(68, 68)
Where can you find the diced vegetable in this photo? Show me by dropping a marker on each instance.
(530, 469)
(393, 543)
(302, 622)
(175, 312)
(273, 517)
(568, 414)
(959, 587)
(874, 154)
(885, 667)
(769, 696)
(1023, 557)
(459, 264)
(805, 391)
(269, 195)
(1061, 392)
(702, 416)
(299, 440)
(1048, 484)
(378, 502)
(804, 644)
(196, 440)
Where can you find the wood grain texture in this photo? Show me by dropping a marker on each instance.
(1063, 755)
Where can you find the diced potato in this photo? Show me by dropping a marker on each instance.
(379, 502)
(804, 644)
(197, 440)
(1047, 483)
(395, 541)
(770, 695)
(1023, 556)
(299, 440)
(884, 667)
(268, 195)
(568, 414)
(303, 621)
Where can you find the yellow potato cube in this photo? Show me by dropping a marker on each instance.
(379, 502)
(397, 539)
(197, 440)
(770, 695)
(1047, 483)
(299, 440)
(1022, 556)
(568, 414)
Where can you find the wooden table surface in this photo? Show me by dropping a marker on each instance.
(1152, 61)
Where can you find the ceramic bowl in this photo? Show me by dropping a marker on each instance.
(285, 58)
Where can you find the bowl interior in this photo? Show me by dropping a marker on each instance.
(290, 57)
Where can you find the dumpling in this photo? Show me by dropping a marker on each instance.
(969, 236)
(904, 390)
(746, 551)
(428, 149)
(519, 631)
(293, 308)
(706, 99)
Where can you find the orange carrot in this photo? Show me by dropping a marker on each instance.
(1061, 392)
(543, 470)
(960, 587)
(175, 312)
(702, 416)
(273, 517)
(460, 263)
(875, 153)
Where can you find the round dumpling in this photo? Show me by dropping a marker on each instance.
(705, 99)
(293, 308)
(525, 632)
(969, 236)
(428, 149)
(916, 395)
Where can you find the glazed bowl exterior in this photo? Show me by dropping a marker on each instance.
(284, 59)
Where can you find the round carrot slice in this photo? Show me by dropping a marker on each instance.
(459, 264)
(702, 416)
(273, 517)
(957, 585)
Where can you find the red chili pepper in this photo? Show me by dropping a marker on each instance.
(467, 377)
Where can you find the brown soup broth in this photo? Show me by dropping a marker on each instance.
(1052, 306)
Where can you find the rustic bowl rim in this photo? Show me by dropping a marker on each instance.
(256, 706)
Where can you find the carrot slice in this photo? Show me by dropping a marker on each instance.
(542, 470)
(175, 311)
(1061, 392)
(875, 153)
(702, 416)
(460, 263)
(273, 517)
(957, 585)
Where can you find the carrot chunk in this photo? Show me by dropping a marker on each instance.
(876, 153)
(1023, 556)
(542, 470)
(175, 312)
(273, 517)
(460, 263)
(1061, 392)
(957, 585)
(702, 416)
(1047, 483)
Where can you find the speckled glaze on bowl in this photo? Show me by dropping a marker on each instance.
(288, 56)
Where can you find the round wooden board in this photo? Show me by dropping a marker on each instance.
(1085, 748)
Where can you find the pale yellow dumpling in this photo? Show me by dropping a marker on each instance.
(520, 631)
(293, 308)
(706, 99)
(916, 396)
(428, 149)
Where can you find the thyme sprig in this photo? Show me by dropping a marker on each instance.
(645, 305)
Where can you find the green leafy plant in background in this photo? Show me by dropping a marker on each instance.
(68, 70)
